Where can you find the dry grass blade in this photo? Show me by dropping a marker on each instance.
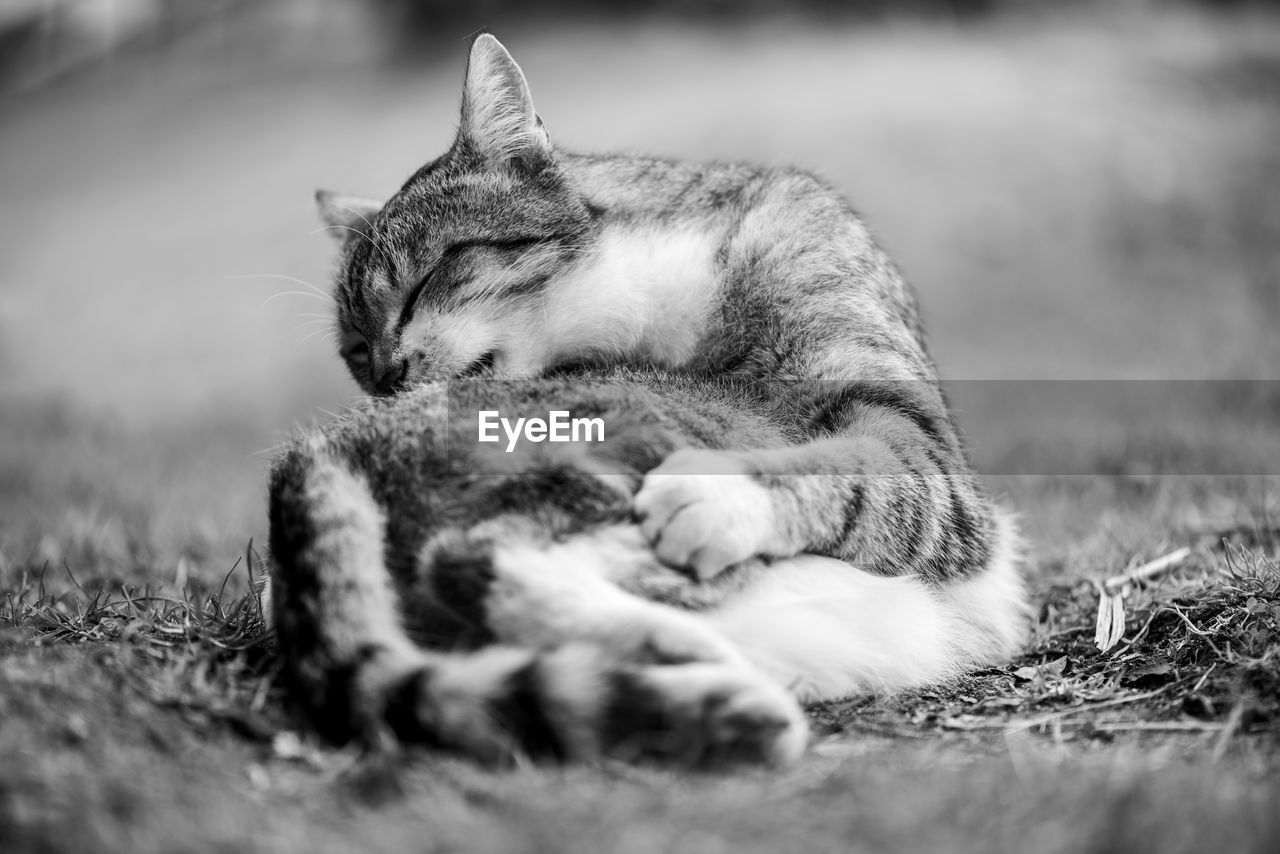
(1111, 592)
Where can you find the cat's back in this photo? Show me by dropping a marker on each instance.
(434, 429)
(662, 189)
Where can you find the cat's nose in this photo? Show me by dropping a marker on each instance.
(393, 379)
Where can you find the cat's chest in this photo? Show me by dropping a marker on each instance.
(643, 292)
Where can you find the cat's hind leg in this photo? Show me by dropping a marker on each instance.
(350, 666)
(679, 688)
(334, 609)
(347, 663)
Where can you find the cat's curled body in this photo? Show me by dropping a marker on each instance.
(508, 259)
(433, 588)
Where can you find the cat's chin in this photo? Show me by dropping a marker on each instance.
(481, 366)
(499, 366)
(508, 367)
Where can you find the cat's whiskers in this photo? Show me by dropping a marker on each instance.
(307, 324)
(283, 277)
(276, 296)
(382, 247)
(312, 291)
(274, 450)
(364, 219)
(324, 330)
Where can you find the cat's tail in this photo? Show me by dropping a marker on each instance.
(827, 629)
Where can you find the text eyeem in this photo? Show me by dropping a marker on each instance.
(558, 426)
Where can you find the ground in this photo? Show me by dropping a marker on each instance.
(1087, 207)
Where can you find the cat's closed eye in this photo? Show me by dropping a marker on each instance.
(357, 353)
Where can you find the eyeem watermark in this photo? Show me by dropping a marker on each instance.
(558, 426)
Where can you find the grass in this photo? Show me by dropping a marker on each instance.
(155, 696)
(1199, 655)
(1083, 198)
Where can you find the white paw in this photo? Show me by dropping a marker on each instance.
(724, 714)
(703, 510)
(758, 723)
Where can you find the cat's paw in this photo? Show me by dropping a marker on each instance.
(713, 714)
(703, 510)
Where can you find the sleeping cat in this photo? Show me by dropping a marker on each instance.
(506, 259)
(431, 587)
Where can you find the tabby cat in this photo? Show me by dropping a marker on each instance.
(430, 587)
(762, 292)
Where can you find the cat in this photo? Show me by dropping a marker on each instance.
(506, 259)
(430, 587)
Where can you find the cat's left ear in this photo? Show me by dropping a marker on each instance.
(346, 217)
(498, 119)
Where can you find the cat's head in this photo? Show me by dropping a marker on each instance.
(448, 277)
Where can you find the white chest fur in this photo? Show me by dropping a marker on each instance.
(642, 292)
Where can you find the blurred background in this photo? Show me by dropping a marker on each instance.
(1080, 192)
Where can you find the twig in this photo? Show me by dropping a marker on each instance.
(1140, 635)
(1204, 678)
(1191, 627)
(1156, 726)
(1229, 729)
(1147, 571)
(1015, 726)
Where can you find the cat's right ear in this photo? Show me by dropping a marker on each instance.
(498, 120)
(346, 217)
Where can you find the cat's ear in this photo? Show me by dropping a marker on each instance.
(346, 217)
(498, 120)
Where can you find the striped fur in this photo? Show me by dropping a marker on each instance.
(430, 588)
(518, 260)
(757, 288)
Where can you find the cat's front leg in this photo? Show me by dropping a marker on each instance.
(893, 502)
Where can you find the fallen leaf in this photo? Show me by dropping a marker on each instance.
(1149, 675)
(1048, 671)
(1026, 674)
